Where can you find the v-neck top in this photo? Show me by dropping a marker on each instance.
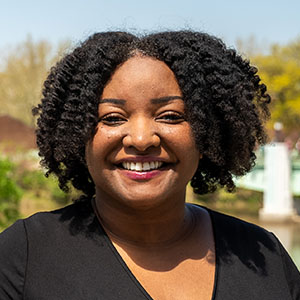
(66, 254)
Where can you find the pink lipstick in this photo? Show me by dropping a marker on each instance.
(136, 175)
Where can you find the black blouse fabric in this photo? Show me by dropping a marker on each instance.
(65, 254)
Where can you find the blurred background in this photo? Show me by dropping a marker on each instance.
(35, 34)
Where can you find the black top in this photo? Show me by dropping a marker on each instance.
(65, 254)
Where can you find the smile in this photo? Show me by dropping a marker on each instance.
(141, 166)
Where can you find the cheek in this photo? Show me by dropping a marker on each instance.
(189, 151)
(182, 142)
(105, 140)
(181, 138)
(89, 156)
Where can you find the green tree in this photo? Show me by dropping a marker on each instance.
(10, 194)
(22, 76)
(280, 70)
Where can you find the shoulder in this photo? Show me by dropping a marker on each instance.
(234, 227)
(13, 260)
(249, 254)
(13, 237)
(18, 232)
(46, 224)
(229, 229)
(251, 243)
(66, 214)
(32, 241)
(69, 220)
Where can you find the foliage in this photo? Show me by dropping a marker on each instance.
(36, 182)
(10, 194)
(280, 70)
(33, 180)
(25, 190)
(22, 76)
(241, 202)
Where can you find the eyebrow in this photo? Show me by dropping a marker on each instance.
(113, 101)
(165, 99)
(153, 101)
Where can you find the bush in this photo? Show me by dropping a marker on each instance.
(56, 193)
(10, 194)
(240, 202)
(33, 180)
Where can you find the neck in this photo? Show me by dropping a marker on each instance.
(156, 227)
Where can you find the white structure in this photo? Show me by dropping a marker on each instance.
(278, 200)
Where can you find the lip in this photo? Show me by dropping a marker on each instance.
(135, 175)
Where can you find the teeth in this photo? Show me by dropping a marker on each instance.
(139, 166)
(146, 166)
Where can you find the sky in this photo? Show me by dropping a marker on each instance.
(269, 21)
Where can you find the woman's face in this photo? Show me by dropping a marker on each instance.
(143, 152)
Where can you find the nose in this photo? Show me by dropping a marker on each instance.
(141, 134)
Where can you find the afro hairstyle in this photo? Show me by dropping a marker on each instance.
(225, 102)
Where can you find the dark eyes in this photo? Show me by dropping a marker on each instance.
(171, 117)
(112, 120)
(167, 117)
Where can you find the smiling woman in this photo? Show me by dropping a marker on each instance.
(141, 126)
(129, 122)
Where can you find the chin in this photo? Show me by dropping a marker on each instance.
(147, 201)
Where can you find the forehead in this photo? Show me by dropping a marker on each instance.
(140, 76)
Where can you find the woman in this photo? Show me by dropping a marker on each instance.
(129, 122)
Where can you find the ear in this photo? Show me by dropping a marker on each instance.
(200, 156)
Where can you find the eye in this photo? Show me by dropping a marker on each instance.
(112, 120)
(171, 117)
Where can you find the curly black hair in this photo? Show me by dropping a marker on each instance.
(225, 102)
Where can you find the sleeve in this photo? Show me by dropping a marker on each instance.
(291, 273)
(13, 258)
